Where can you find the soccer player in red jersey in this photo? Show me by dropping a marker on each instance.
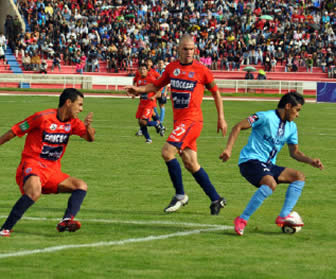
(187, 79)
(147, 104)
(151, 73)
(39, 171)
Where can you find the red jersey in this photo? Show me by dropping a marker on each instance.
(145, 98)
(47, 136)
(187, 88)
(151, 72)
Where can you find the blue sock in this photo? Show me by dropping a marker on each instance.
(292, 195)
(151, 123)
(203, 180)
(145, 132)
(156, 112)
(162, 114)
(74, 203)
(175, 173)
(155, 116)
(255, 202)
(17, 211)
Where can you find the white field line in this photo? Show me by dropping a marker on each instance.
(110, 221)
(209, 228)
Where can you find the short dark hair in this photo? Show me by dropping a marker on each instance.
(69, 93)
(143, 65)
(293, 97)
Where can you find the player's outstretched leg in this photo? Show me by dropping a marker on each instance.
(255, 202)
(20, 207)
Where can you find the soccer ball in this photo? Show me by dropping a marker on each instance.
(293, 229)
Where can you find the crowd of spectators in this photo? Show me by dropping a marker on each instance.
(227, 33)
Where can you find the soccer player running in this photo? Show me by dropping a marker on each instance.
(151, 72)
(270, 131)
(187, 78)
(147, 103)
(39, 171)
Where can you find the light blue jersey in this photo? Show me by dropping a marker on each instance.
(268, 136)
(161, 72)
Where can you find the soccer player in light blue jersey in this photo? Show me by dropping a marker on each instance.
(257, 162)
(163, 98)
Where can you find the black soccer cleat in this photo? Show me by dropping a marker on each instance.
(217, 205)
(162, 131)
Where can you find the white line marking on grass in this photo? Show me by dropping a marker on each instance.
(110, 221)
(110, 243)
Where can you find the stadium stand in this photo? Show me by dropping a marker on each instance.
(291, 40)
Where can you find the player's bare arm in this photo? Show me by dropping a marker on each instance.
(242, 125)
(7, 137)
(90, 131)
(296, 154)
(137, 90)
(221, 123)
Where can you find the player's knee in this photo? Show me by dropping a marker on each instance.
(167, 154)
(188, 166)
(81, 185)
(34, 195)
(33, 192)
(269, 181)
(143, 122)
(191, 166)
(272, 186)
(299, 176)
(32, 188)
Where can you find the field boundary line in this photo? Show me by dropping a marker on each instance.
(117, 221)
(110, 243)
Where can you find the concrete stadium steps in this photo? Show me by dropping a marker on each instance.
(4, 68)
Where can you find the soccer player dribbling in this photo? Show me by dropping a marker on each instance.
(187, 78)
(39, 171)
(257, 162)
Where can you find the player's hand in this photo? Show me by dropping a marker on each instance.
(88, 119)
(222, 125)
(225, 156)
(317, 164)
(130, 90)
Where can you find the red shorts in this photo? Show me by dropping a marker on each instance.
(50, 175)
(144, 112)
(185, 134)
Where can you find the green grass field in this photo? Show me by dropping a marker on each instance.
(125, 233)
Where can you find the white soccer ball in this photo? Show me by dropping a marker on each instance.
(293, 229)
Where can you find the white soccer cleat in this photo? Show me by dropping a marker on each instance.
(175, 204)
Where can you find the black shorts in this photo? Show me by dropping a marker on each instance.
(162, 100)
(254, 171)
